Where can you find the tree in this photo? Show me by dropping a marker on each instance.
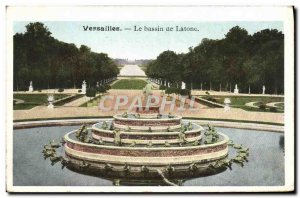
(51, 63)
(239, 58)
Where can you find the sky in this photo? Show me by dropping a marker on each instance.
(130, 44)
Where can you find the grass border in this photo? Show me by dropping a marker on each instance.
(192, 118)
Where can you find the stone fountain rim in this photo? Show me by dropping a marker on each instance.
(204, 146)
(149, 133)
(217, 123)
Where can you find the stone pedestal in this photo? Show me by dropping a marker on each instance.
(50, 106)
(30, 89)
(227, 103)
(236, 90)
(50, 100)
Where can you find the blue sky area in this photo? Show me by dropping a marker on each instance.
(145, 44)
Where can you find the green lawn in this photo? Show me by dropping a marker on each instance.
(143, 67)
(240, 101)
(129, 84)
(280, 106)
(32, 100)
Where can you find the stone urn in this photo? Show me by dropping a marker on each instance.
(50, 100)
(227, 103)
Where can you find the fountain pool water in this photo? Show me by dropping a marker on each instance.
(265, 167)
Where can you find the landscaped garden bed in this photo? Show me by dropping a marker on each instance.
(129, 84)
(32, 100)
(92, 102)
(240, 101)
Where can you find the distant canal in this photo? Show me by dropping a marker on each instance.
(265, 166)
(132, 70)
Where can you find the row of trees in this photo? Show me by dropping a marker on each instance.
(243, 59)
(50, 63)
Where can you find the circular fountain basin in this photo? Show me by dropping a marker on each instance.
(98, 156)
(30, 169)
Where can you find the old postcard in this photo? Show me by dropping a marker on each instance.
(150, 99)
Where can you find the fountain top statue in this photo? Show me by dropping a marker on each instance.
(148, 89)
(148, 108)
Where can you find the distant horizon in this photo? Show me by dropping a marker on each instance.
(142, 45)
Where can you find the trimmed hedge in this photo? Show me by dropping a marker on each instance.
(68, 99)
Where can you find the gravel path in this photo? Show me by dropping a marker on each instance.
(77, 102)
(42, 112)
(132, 70)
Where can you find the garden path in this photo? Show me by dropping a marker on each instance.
(77, 102)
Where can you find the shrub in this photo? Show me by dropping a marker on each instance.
(39, 90)
(60, 90)
(207, 93)
(79, 90)
(185, 92)
(107, 87)
(162, 87)
(273, 109)
(262, 107)
(171, 90)
(101, 89)
(168, 91)
(211, 99)
(91, 92)
(66, 100)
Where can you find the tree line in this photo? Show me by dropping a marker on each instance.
(51, 63)
(250, 61)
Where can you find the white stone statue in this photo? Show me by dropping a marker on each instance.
(83, 87)
(263, 89)
(236, 90)
(148, 89)
(30, 89)
(182, 85)
(227, 103)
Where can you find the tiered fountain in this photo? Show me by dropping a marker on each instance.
(146, 144)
